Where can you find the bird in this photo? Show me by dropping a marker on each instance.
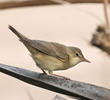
(51, 56)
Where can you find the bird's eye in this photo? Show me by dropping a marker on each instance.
(77, 54)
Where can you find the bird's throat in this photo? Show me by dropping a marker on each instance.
(74, 61)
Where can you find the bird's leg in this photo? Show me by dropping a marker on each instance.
(51, 73)
(60, 76)
(44, 72)
(41, 69)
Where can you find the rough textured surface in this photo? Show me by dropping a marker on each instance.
(61, 85)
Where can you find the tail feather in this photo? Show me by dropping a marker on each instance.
(23, 39)
(19, 35)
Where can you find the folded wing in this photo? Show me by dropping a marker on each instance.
(50, 48)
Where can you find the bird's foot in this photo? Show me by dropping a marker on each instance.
(43, 73)
(61, 76)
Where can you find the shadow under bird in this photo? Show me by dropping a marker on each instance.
(51, 56)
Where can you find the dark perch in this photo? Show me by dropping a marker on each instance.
(101, 39)
(68, 87)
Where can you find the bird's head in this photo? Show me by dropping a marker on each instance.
(77, 56)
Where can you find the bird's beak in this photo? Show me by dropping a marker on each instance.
(86, 60)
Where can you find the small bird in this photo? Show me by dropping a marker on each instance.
(51, 56)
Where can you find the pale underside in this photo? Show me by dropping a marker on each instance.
(51, 64)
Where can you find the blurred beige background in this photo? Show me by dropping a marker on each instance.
(68, 24)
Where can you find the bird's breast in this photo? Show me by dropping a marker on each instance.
(49, 62)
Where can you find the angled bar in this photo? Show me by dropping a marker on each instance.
(64, 86)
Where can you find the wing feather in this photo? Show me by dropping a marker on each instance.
(50, 48)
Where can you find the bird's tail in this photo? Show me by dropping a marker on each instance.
(19, 35)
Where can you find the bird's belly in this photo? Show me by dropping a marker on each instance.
(48, 62)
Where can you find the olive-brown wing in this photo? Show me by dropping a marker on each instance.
(50, 48)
